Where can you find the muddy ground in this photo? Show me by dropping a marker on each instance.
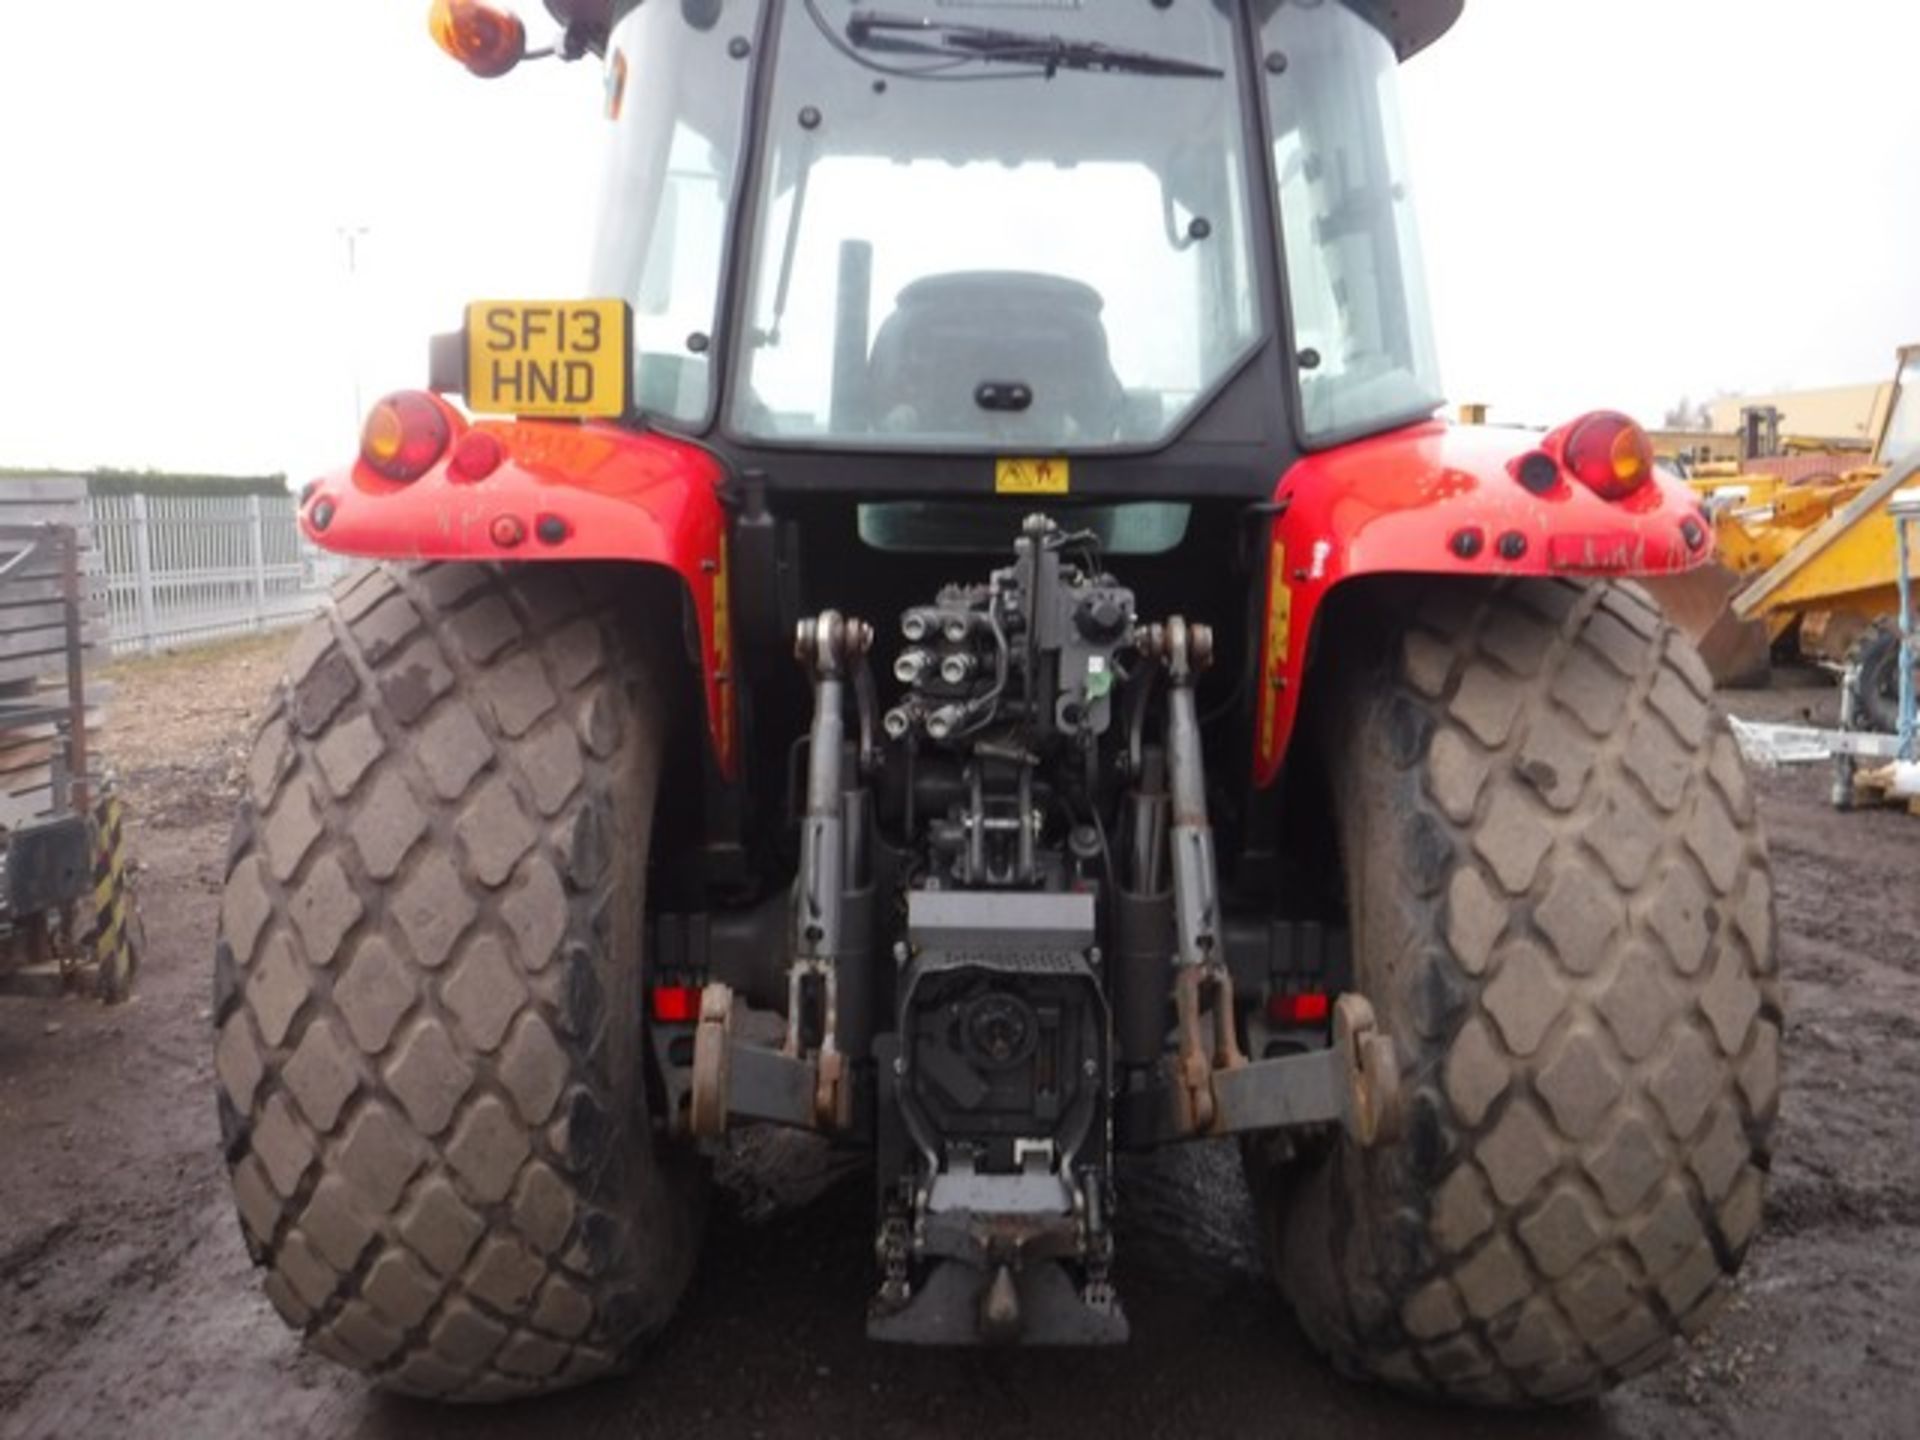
(127, 1306)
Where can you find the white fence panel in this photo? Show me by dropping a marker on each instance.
(185, 569)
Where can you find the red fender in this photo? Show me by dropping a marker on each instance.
(1437, 499)
(577, 492)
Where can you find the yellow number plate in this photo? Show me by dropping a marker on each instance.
(548, 359)
(1033, 477)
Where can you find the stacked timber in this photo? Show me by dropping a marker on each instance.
(34, 638)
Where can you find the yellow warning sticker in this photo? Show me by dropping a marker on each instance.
(1279, 648)
(1032, 477)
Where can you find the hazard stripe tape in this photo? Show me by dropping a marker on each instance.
(108, 853)
(110, 859)
(111, 897)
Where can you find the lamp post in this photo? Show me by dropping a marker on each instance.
(352, 235)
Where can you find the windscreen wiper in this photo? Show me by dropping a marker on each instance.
(948, 40)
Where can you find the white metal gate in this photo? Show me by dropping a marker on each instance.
(184, 569)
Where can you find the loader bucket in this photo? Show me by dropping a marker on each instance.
(1700, 602)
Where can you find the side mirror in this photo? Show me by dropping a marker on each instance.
(487, 41)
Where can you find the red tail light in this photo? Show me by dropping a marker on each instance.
(1610, 455)
(405, 436)
(1300, 1011)
(476, 456)
(676, 1004)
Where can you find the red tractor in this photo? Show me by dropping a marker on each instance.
(976, 647)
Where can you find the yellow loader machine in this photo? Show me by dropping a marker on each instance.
(1812, 561)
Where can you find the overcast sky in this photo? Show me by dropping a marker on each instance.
(1623, 202)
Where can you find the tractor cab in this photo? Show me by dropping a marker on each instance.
(1095, 231)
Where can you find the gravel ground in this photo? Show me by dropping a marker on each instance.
(127, 1305)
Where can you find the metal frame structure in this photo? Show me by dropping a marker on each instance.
(71, 853)
(1905, 510)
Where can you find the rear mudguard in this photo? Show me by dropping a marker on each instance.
(571, 493)
(1439, 499)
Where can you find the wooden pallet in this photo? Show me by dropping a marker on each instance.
(33, 643)
(1875, 789)
(33, 634)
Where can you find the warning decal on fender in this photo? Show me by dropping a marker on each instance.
(1279, 646)
(1032, 477)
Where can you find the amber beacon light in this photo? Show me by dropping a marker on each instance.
(487, 41)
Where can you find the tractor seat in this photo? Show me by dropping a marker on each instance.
(951, 335)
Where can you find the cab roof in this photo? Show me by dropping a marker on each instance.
(1414, 24)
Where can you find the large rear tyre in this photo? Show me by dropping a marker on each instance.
(1875, 663)
(428, 987)
(1563, 914)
